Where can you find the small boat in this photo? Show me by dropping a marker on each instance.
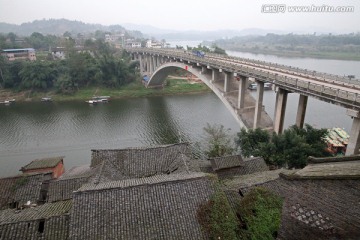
(46, 99)
(101, 99)
(92, 101)
(8, 101)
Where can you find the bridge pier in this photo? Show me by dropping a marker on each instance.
(228, 77)
(259, 103)
(300, 116)
(242, 89)
(141, 64)
(214, 74)
(354, 141)
(280, 107)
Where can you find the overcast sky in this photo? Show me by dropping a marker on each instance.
(187, 14)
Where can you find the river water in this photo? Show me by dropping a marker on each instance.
(36, 130)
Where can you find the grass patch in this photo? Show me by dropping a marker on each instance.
(132, 90)
(260, 212)
(217, 219)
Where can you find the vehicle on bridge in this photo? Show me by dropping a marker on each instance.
(267, 86)
(198, 53)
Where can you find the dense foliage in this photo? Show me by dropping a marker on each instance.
(214, 49)
(291, 149)
(98, 64)
(260, 212)
(217, 218)
(218, 141)
(345, 46)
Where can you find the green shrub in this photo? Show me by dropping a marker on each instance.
(260, 212)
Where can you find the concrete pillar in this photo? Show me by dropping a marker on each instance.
(300, 116)
(148, 63)
(259, 103)
(141, 64)
(280, 107)
(228, 78)
(151, 60)
(354, 141)
(203, 70)
(214, 75)
(242, 89)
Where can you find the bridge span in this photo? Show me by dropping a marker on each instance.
(228, 77)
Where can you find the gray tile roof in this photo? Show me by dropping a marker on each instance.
(140, 181)
(226, 162)
(143, 162)
(63, 189)
(25, 224)
(21, 188)
(245, 181)
(42, 163)
(40, 212)
(161, 207)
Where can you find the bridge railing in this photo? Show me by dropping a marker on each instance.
(345, 79)
(321, 75)
(333, 94)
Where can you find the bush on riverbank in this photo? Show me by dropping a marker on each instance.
(132, 90)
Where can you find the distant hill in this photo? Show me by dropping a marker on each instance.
(56, 27)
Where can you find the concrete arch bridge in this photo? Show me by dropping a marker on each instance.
(228, 77)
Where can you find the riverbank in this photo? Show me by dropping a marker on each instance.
(300, 54)
(174, 86)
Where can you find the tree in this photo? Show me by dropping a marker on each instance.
(37, 75)
(291, 149)
(218, 141)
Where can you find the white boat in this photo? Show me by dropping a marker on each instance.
(46, 99)
(92, 101)
(101, 99)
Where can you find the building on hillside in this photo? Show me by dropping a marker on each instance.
(55, 165)
(58, 53)
(133, 44)
(19, 54)
(230, 166)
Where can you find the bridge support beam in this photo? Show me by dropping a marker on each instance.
(141, 64)
(242, 89)
(280, 107)
(300, 116)
(151, 59)
(228, 77)
(214, 75)
(259, 103)
(354, 141)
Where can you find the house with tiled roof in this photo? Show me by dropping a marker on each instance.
(133, 193)
(17, 190)
(48, 221)
(53, 164)
(230, 166)
(156, 207)
(321, 201)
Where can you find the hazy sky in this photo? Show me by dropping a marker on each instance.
(187, 14)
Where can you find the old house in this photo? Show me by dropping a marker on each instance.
(54, 165)
(230, 166)
(322, 200)
(19, 54)
(133, 193)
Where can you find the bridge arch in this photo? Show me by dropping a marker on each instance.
(162, 72)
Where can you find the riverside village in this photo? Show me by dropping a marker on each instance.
(120, 136)
(158, 193)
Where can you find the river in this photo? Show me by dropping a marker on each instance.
(36, 130)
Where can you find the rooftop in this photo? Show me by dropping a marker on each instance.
(226, 162)
(43, 163)
(33, 213)
(158, 207)
(328, 170)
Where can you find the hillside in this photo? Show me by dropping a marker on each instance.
(56, 27)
